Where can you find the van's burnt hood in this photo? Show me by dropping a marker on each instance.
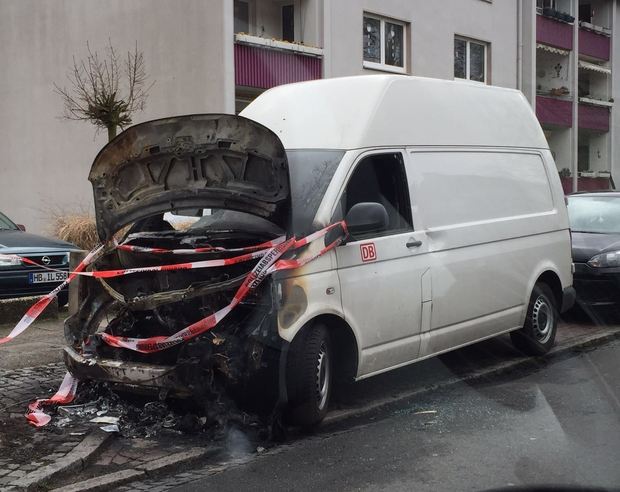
(190, 162)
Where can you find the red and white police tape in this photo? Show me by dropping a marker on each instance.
(269, 252)
(65, 394)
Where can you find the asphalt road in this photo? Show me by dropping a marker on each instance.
(557, 424)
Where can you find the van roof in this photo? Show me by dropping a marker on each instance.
(396, 110)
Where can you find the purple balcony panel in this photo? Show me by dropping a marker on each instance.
(554, 33)
(594, 118)
(586, 184)
(593, 44)
(267, 67)
(552, 111)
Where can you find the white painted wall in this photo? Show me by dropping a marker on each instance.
(432, 28)
(560, 146)
(599, 158)
(188, 49)
(552, 71)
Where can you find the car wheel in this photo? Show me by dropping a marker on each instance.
(309, 377)
(538, 333)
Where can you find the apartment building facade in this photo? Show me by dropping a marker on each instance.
(218, 55)
(571, 84)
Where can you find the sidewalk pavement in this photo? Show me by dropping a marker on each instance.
(40, 344)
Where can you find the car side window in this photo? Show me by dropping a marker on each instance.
(381, 178)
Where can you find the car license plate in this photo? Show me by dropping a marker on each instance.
(45, 277)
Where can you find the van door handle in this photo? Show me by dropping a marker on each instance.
(414, 243)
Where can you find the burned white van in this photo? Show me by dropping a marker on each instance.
(457, 231)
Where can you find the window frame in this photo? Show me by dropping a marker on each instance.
(338, 210)
(382, 66)
(251, 17)
(294, 16)
(468, 42)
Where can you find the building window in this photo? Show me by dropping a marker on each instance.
(545, 4)
(470, 60)
(288, 23)
(384, 45)
(242, 16)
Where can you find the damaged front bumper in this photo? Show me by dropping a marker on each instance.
(138, 377)
(237, 171)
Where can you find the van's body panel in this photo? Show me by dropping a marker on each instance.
(487, 208)
(469, 215)
(370, 111)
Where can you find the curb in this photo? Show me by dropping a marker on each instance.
(497, 369)
(12, 310)
(73, 461)
(151, 469)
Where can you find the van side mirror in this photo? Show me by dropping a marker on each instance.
(21, 227)
(367, 217)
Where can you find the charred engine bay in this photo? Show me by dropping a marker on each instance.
(235, 363)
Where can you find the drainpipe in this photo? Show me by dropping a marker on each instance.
(327, 38)
(610, 84)
(575, 77)
(520, 45)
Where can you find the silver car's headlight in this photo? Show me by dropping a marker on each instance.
(606, 260)
(7, 261)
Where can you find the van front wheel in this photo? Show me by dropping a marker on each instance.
(538, 333)
(309, 376)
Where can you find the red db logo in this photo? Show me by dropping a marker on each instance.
(368, 251)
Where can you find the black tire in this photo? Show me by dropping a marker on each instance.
(309, 377)
(538, 333)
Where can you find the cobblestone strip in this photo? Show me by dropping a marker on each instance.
(74, 460)
(111, 481)
(19, 386)
(23, 450)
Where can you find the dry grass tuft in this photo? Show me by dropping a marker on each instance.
(77, 228)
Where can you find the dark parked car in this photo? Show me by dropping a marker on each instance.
(595, 225)
(18, 279)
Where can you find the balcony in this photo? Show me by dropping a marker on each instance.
(264, 63)
(586, 184)
(553, 32)
(554, 112)
(594, 118)
(594, 44)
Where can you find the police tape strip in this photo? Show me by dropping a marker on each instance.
(125, 246)
(270, 262)
(159, 268)
(65, 394)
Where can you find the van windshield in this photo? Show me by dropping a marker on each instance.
(311, 171)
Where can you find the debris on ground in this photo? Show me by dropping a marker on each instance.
(135, 416)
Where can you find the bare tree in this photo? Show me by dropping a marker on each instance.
(106, 90)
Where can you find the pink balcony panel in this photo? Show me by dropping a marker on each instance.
(593, 118)
(593, 44)
(266, 67)
(554, 33)
(556, 112)
(586, 184)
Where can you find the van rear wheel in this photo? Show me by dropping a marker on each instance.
(309, 376)
(538, 333)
